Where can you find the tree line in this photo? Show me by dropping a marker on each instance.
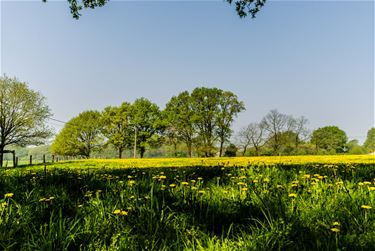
(201, 120)
(196, 123)
(281, 134)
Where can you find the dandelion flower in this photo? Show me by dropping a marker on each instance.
(366, 207)
(184, 183)
(371, 188)
(335, 230)
(292, 195)
(244, 189)
(336, 223)
(8, 195)
(172, 185)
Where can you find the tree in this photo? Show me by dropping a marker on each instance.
(229, 107)
(275, 123)
(231, 151)
(243, 7)
(329, 138)
(145, 119)
(116, 126)
(179, 118)
(80, 136)
(23, 113)
(370, 140)
(205, 109)
(252, 135)
(354, 147)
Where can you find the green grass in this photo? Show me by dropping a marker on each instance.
(255, 207)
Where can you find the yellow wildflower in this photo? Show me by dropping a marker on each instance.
(172, 185)
(292, 195)
(120, 212)
(8, 195)
(335, 230)
(366, 207)
(184, 183)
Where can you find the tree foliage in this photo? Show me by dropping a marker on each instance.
(329, 138)
(145, 119)
(243, 7)
(80, 136)
(116, 126)
(370, 140)
(179, 120)
(23, 113)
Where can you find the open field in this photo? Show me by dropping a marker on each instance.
(265, 203)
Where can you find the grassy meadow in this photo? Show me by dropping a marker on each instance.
(259, 203)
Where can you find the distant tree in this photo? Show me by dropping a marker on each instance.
(330, 138)
(23, 115)
(275, 124)
(370, 140)
(146, 121)
(116, 126)
(228, 108)
(231, 151)
(252, 135)
(355, 148)
(80, 136)
(243, 7)
(205, 111)
(179, 119)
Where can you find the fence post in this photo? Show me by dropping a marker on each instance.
(16, 163)
(14, 158)
(53, 158)
(44, 158)
(31, 160)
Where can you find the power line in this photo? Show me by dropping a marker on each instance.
(57, 120)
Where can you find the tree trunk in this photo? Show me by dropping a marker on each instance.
(244, 151)
(142, 151)
(189, 149)
(175, 149)
(1, 156)
(221, 148)
(120, 153)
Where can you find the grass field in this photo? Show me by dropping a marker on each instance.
(263, 203)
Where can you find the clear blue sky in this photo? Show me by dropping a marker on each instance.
(311, 58)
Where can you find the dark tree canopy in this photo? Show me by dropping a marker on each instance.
(330, 138)
(244, 8)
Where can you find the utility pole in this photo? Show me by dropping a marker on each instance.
(135, 143)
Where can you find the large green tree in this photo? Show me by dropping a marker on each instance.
(179, 118)
(146, 121)
(329, 138)
(205, 109)
(23, 115)
(214, 111)
(370, 140)
(116, 126)
(229, 106)
(243, 7)
(80, 136)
